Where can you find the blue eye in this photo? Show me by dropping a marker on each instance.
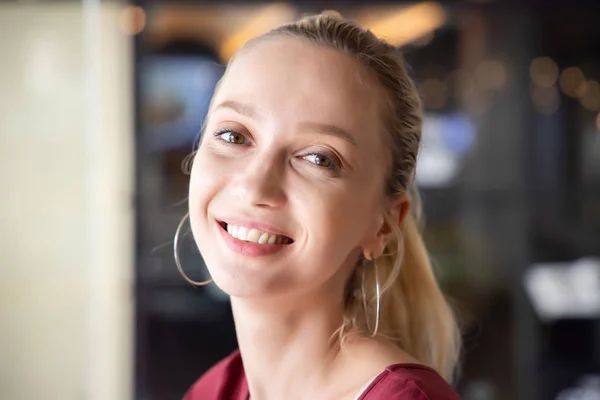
(231, 137)
(320, 160)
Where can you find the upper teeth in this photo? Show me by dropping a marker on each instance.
(254, 235)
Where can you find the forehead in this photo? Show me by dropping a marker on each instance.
(298, 80)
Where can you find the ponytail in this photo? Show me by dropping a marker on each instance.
(415, 315)
(417, 310)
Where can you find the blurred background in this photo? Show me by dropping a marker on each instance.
(101, 101)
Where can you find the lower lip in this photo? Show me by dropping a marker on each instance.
(249, 249)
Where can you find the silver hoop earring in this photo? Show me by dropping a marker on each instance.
(176, 255)
(378, 298)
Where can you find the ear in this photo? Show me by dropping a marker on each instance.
(396, 211)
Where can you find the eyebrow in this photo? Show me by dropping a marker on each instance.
(328, 129)
(247, 110)
(243, 109)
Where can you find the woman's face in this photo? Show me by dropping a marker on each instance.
(287, 186)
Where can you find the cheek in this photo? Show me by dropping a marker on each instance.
(338, 220)
(205, 181)
(335, 225)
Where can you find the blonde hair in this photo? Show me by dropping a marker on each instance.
(414, 312)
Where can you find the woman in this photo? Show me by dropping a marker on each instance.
(299, 203)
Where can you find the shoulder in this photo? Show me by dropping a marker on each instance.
(409, 381)
(225, 380)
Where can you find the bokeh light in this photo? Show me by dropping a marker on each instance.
(543, 71)
(132, 20)
(591, 98)
(572, 82)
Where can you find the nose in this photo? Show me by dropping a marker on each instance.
(260, 182)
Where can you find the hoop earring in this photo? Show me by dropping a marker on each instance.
(176, 255)
(378, 297)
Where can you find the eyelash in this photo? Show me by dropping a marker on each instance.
(221, 132)
(336, 166)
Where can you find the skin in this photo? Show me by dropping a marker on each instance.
(294, 139)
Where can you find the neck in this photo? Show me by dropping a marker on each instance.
(286, 344)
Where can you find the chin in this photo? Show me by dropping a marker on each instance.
(239, 280)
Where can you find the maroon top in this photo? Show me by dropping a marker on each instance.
(227, 381)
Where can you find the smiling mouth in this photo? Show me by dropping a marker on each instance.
(252, 235)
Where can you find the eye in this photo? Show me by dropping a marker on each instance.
(232, 137)
(320, 160)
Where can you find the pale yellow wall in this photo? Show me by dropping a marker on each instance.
(65, 204)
